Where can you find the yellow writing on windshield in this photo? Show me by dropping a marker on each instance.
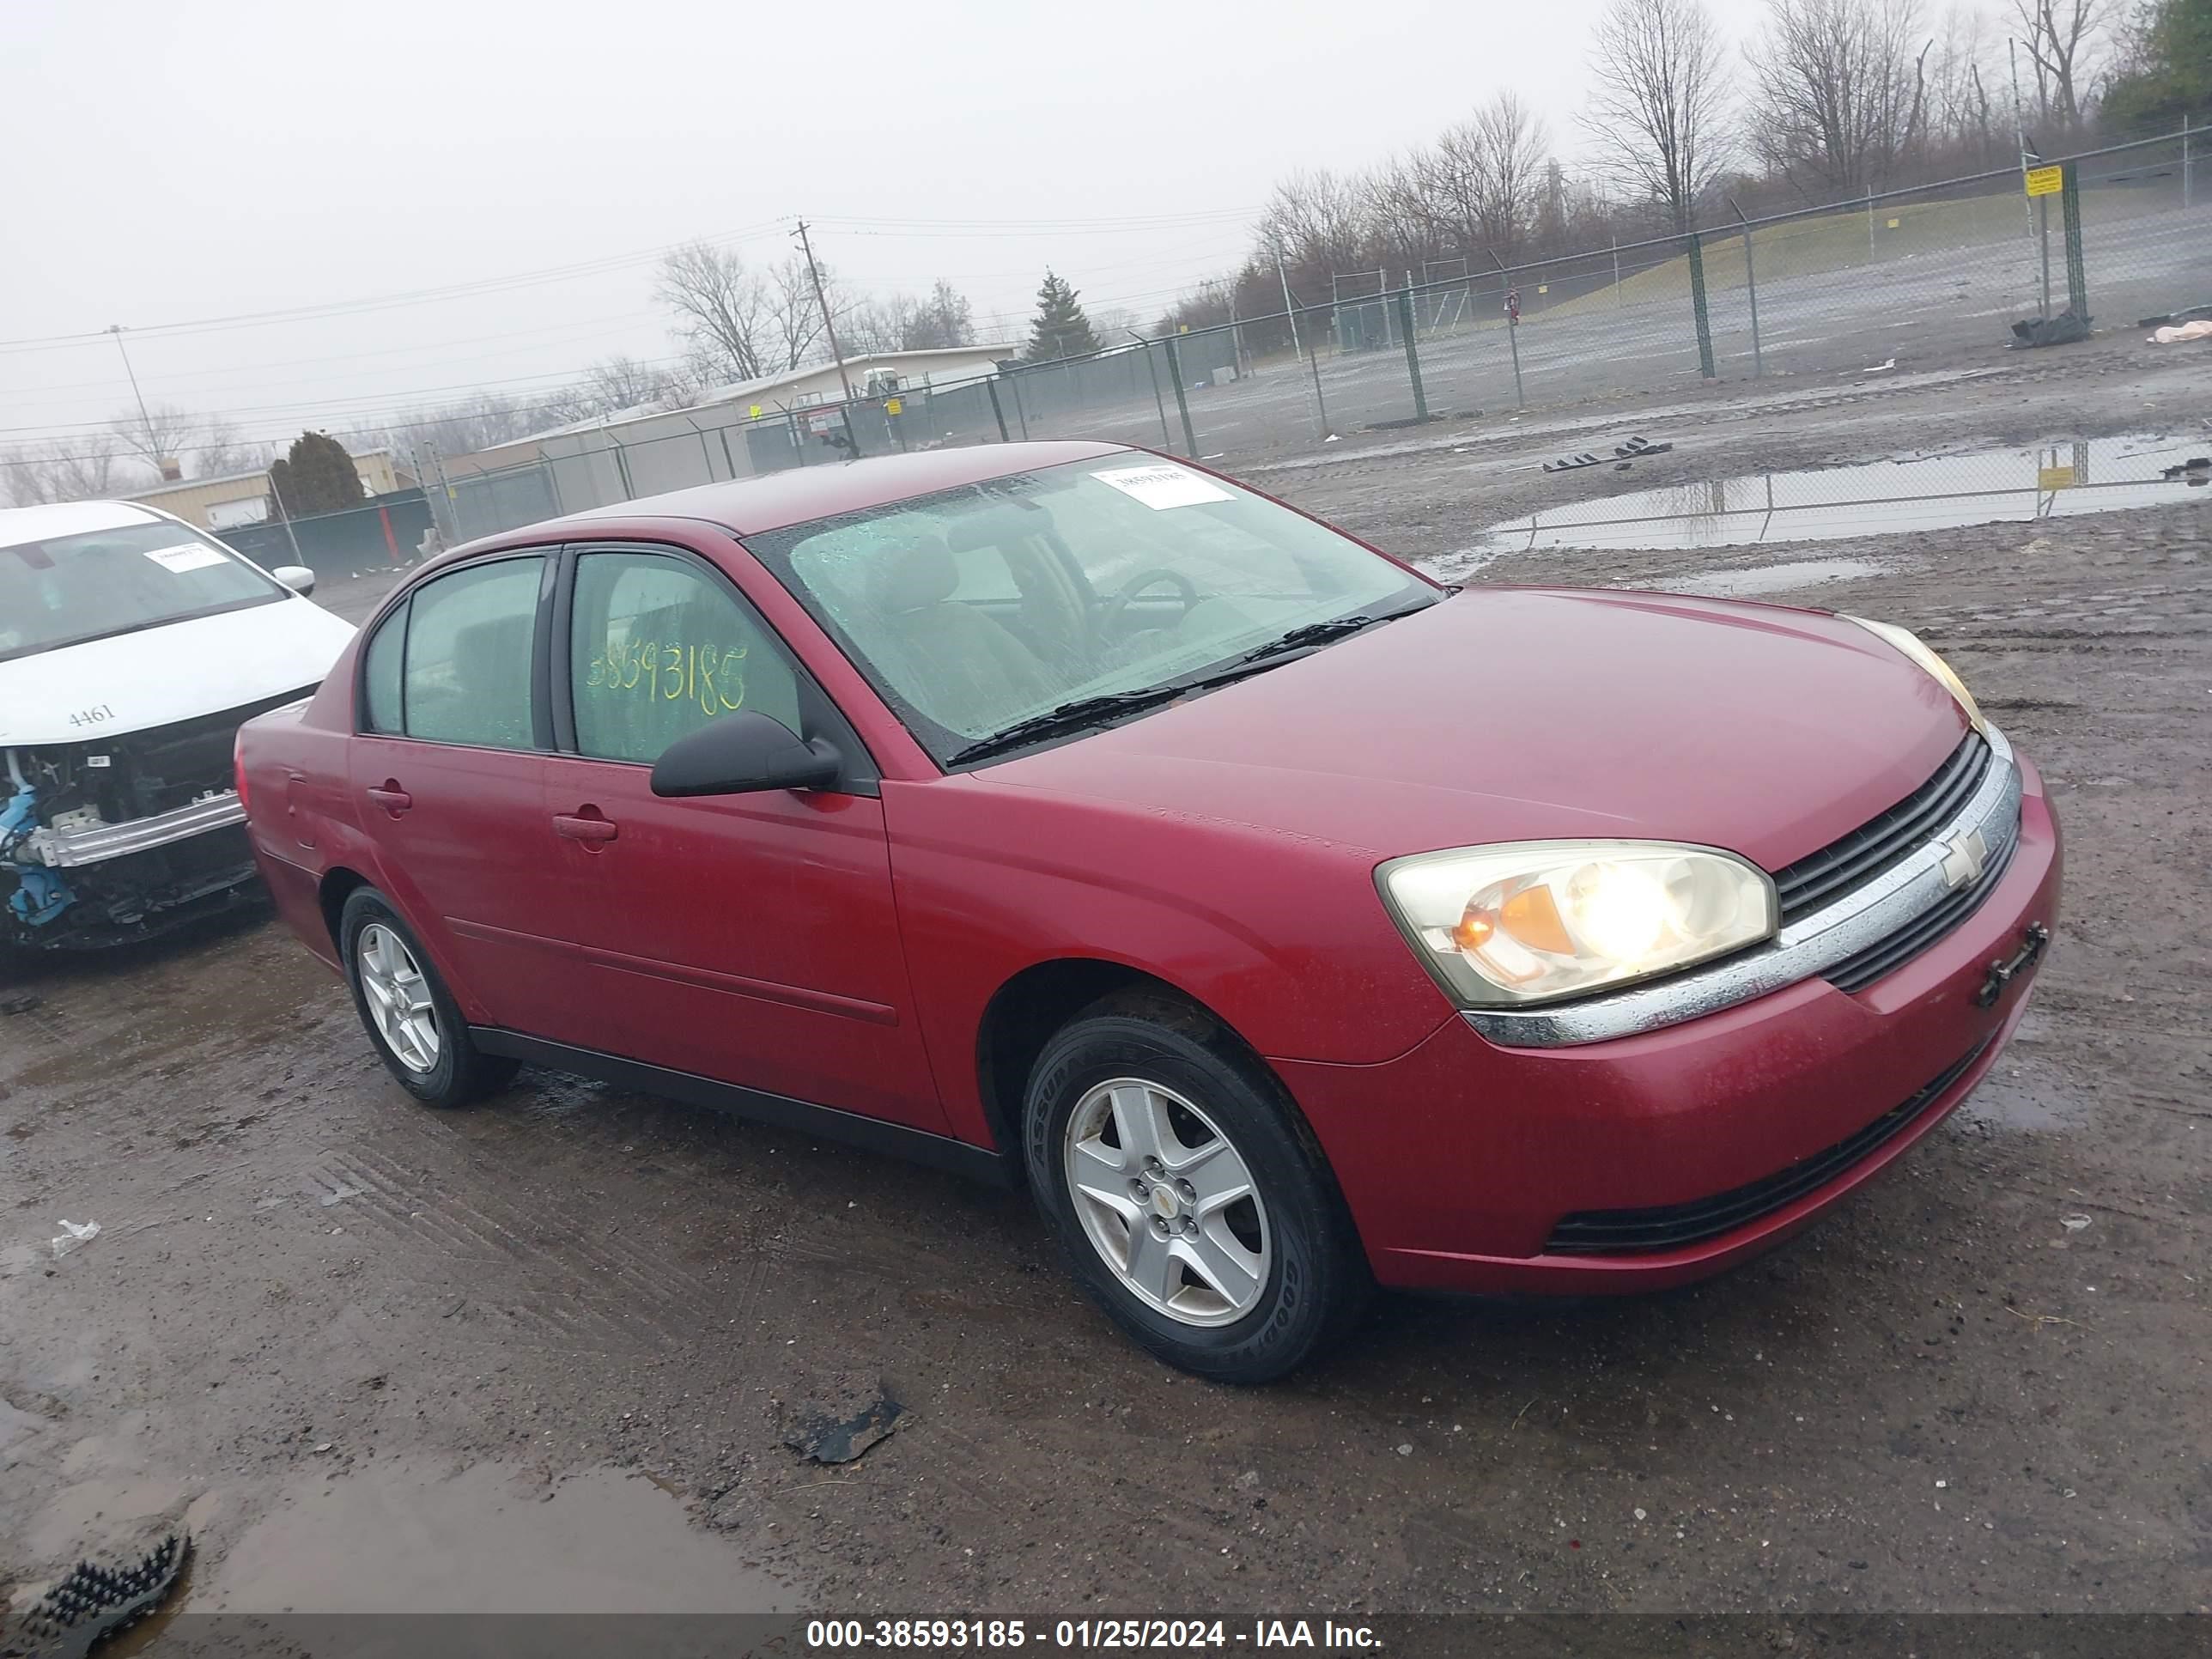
(711, 676)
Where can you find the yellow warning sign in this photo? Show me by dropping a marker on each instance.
(2046, 181)
(756, 412)
(892, 405)
(1893, 224)
(2054, 478)
(1543, 287)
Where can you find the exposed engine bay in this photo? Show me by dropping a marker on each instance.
(121, 838)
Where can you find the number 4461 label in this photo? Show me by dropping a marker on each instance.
(99, 714)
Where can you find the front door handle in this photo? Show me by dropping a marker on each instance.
(587, 826)
(392, 797)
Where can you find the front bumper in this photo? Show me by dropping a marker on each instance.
(1461, 1159)
(65, 849)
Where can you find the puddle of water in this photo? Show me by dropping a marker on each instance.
(2026, 1094)
(1773, 578)
(409, 1535)
(1888, 498)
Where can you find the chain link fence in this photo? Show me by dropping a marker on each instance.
(1913, 276)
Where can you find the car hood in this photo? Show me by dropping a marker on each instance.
(154, 676)
(1527, 713)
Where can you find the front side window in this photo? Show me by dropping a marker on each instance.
(66, 590)
(471, 637)
(977, 609)
(658, 648)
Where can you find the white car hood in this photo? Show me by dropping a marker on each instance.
(156, 676)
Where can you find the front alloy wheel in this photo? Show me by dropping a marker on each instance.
(1192, 1202)
(1166, 1201)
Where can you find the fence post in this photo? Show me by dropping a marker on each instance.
(2184, 158)
(2043, 241)
(1413, 354)
(1183, 405)
(1751, 282)
(1697, 307)
(997, 413)
(1159, 402)
(1512, 327)
(1870, 253)
(2070, 210)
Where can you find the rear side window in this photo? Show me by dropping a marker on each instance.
(381, 708)
(471, 637)
(659, 650)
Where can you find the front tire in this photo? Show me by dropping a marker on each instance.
(408, 1014)
(1192, 1203)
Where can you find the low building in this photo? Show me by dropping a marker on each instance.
(878, 374)
(242, 498)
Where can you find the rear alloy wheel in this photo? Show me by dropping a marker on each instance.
(1192, 1202)
(408, 1012)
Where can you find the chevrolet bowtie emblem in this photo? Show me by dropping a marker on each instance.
(1964, 857)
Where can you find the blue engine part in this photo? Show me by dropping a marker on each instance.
(40, 895)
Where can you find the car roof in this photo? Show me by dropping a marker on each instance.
(748, 505)
(36, 524)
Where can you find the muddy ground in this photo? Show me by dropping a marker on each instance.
(351, 1337)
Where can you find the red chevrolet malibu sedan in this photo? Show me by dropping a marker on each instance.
(1288, 922)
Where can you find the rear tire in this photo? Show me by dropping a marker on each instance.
(410, 1016)
(1191, 1202)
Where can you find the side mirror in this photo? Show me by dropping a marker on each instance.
(297, 577)
(743, 754)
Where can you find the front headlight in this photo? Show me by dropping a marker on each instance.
(1532, 921)
(1912, 646)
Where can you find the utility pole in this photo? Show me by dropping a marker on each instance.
(829, 327)
(116, 329)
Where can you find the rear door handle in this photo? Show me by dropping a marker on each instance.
(392, 797)
(593, 830)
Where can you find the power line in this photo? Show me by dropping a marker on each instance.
(383, 302)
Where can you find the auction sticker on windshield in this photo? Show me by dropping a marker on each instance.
(1159, 487)
(185, 556)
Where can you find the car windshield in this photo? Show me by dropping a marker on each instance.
(980, 608)
(68, 589)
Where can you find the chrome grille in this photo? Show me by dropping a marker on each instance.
(1821, 877)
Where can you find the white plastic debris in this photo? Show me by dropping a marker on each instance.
(1878, 368)
(1639, 1514)
(72, 1235)
(2073, 1224)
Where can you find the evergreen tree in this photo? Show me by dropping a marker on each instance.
(315, 475)
(2166, 69)
(1059, 328)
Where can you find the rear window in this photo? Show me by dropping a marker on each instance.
(69, 589)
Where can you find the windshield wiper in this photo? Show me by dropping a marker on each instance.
(1084, 712)
(1068, 717)
(1319, 633)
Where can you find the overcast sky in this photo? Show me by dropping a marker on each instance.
(182, 164)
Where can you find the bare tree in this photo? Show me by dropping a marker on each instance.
(1960, 117)
(63, 471)
(1658, 105)
(794, 317)
(623, 382)
(2062, 38)
(159, 433)
(723, 312)
(1317, 220)
(942, 320)
(1838, 93)
(221, 454)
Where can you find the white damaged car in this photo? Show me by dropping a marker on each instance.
(132, 647)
